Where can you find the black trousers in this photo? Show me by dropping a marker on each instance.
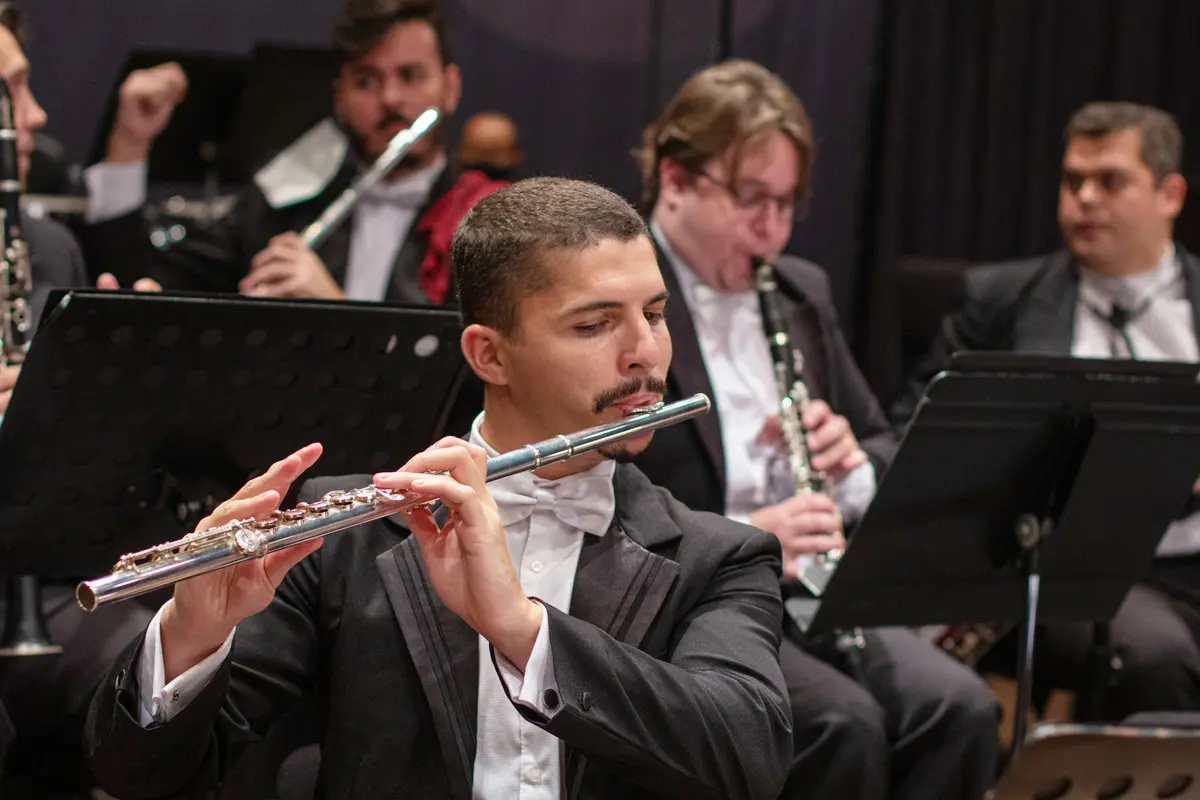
(47, 697)
(922, 726)
(1155, 635)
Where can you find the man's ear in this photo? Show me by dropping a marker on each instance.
(483, 348)
(673, 180)
(1174, 191)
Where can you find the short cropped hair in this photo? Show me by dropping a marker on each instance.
(1162, 141)
(503, 248)
(730, 104)
(362, 24)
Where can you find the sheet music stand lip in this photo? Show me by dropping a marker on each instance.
(135, 411)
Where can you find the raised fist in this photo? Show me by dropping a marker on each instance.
(146, 101)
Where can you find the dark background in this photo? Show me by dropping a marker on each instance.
(938, 121)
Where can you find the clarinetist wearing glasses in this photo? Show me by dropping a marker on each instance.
(395, 63)
(726, 169)
(569, 632)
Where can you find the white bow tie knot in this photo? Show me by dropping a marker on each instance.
(581, 501)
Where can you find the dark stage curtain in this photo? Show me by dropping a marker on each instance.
(968, 141)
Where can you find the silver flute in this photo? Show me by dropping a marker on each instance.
(337, 211)
(216, 548)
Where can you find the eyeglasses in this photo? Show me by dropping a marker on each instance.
(754, 201)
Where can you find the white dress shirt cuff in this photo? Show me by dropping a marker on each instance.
(114, 190)
(1181, 539)
(530, 689)
(855, 492)
(160, 701)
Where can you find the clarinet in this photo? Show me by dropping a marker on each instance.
(25, 632)
(815, 572)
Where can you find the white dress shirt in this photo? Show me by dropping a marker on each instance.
(729, 328)
(381, 220)
(544, 524)
(1164, 331)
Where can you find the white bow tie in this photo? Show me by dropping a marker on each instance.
(582, 501)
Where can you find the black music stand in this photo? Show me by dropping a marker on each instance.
(135, 413)
(1026, 487)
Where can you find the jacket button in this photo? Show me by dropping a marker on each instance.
(550, 698)
(585, 701)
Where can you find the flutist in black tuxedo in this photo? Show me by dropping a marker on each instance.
(724, 169)
(572, 632)
(1122, 288)
(395, 63)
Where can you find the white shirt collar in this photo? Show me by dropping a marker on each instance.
(416, 185)
(705, 302)
(1132, 290)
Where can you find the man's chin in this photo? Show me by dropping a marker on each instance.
(628, 451)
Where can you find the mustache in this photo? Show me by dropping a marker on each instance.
(391, 118)
(628, 388)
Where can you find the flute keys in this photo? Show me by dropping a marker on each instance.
(250, 541)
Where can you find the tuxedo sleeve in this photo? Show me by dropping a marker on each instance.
(273, 662)
(710, 717)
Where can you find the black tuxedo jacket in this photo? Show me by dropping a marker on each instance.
(1026, 306)
(215, 260)
(689, 459)
(667, 669)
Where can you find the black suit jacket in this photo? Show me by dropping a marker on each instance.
(666, 666)
(689, 459)
(55, 261)
(215, 260)
(1026, 306)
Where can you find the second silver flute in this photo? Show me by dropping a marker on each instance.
(207, 551)
(337, 211)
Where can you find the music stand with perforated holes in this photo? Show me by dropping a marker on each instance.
(1002, 502)
(136, 413)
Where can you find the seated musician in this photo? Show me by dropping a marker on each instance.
(395, 63)
(1121, 288)
(724, 169)
(44, 698)
(571, 631)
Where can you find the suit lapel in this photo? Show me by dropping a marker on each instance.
(687, 374)
(1047, 324)
(807, 333)
(620, 583)
(1191, 277)
(403, 286)
(445, 652)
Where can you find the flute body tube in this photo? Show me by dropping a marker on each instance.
(217, 548)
